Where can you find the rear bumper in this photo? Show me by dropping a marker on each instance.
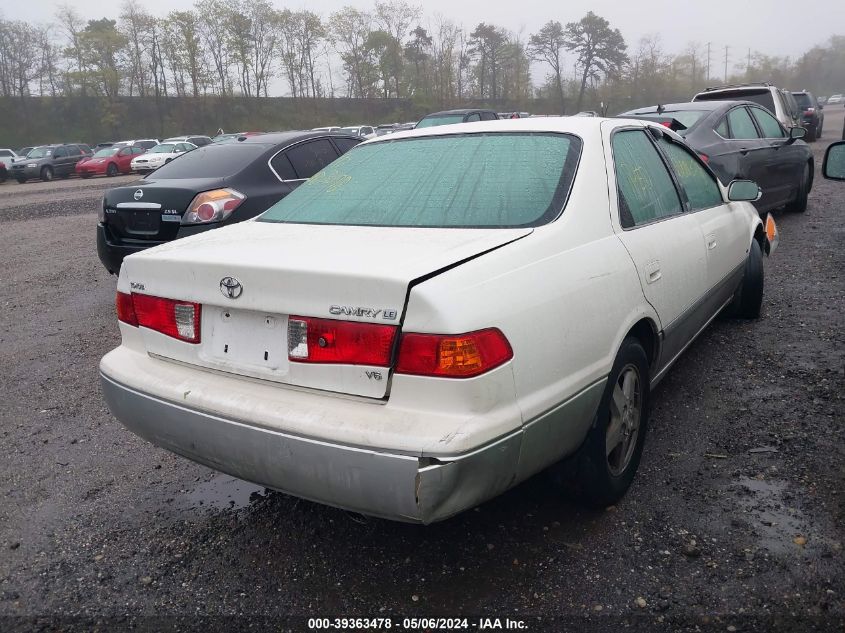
(380, 483)
(112, 252)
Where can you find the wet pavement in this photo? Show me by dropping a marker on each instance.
(734, 522)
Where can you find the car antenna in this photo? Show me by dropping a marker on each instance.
(660, 108)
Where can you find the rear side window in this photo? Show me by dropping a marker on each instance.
(722, 128)
(645, 188)
(60, 152)
(488, 116)
(345, 144)
(281, 165)
(473, 117)
(701, 188)
(310, 157)
(771, 128)
(742, 127)
(489, 180)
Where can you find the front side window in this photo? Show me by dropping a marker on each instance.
(645, 188)
(701, 188)
(742, 127)
(472, 118)
(769, 124)
(490, 180)
(346, 144)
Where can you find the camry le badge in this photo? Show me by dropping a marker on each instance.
(138, 194)
(231, 287)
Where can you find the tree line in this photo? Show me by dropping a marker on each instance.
(251, 48)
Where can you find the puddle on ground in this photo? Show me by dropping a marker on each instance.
(224, 492)
(772, 519)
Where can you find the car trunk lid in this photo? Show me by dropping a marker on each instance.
(348, 273)
(150, 209)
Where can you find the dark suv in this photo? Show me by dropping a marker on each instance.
(812, 114)
(48, 161)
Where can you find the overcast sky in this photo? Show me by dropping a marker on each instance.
(774, 27)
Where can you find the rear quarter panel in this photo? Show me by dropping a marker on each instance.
(564, 296)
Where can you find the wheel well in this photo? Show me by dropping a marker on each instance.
(646, 334)
(760, 236)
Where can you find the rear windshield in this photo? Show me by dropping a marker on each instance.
(449, 119)
(212, 161)
(761, 96)
(491, 180)
(803, 100)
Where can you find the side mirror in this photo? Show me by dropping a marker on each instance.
(797, 132)
(833, 167)
(744, 191)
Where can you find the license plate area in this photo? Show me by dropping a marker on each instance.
(244, 338)
(142, 222)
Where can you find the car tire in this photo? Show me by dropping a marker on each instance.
(86, 176)
(748, 299)
(111, 170)
(46, 174)
(21, 181)
(799, 205)
(598, 478)
(812, 134)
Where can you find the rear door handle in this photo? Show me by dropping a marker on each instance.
(711, 242)
(652, 271)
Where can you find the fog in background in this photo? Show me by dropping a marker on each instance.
(771, 27)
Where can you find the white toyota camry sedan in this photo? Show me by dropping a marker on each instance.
(440, 314)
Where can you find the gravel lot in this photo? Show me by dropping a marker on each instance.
(735, 521)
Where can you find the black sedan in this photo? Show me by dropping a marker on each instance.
(742, 140)
(213, 186)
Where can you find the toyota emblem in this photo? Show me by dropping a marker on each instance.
(138, 194)
(231, 287)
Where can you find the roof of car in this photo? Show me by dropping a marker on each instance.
(277, 138)
(578, 126)
(457, 111)
(686, 105)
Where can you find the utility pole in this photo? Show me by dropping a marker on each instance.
(726, 63)
(748, 67)
(708, 61)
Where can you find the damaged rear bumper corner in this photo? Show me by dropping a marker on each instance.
(394, 486)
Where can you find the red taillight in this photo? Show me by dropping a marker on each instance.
(331, 341)
(125, 309)
(704, 157)
(453, 355)
(667, 123)
(179, 319)
(213, 206)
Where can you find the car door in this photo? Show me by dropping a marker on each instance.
(724, 229)
(60, 159)
(786, 157)
(756, 155)
(664, 241)
(123, 158)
